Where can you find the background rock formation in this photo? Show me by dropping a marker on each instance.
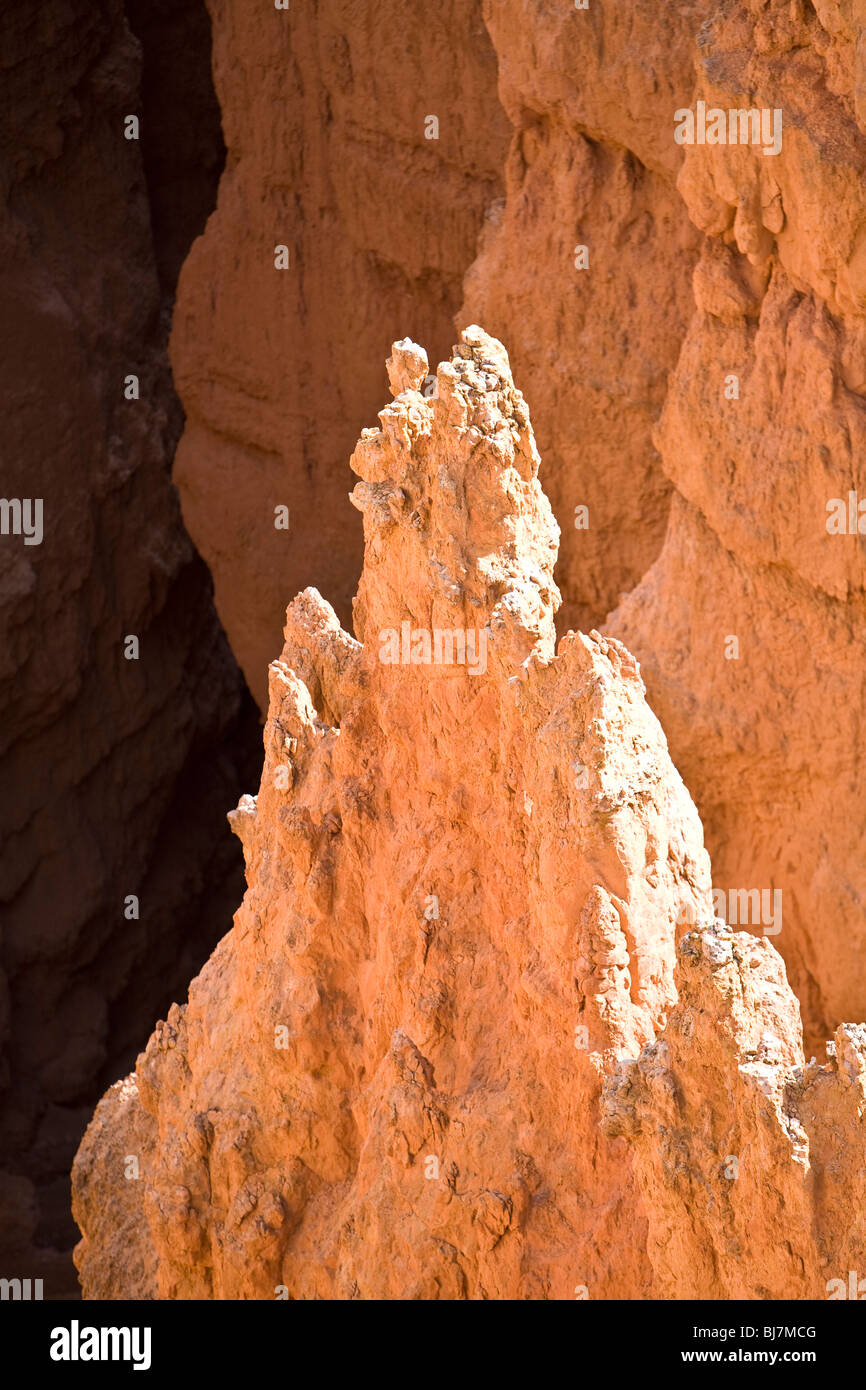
(441, 1053)
(325, 114)
(115, 773)
(704, 262)
(593, 164)
(772, 743)
(705, 265)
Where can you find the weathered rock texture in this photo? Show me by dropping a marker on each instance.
(749, 1161)
(324, 113)
(115, 773)
(593, 164)
(442, 1054)
(705, 262)
(772, 743)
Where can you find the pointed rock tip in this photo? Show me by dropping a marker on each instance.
(485, 349)
(407, 366)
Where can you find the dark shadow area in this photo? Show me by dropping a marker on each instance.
(116, 774)
(182, 144)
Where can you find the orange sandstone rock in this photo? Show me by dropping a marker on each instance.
(441, 1054)
(698, 387)
(749, 1161)
(332, 156)
(585, 267)
(750, 627)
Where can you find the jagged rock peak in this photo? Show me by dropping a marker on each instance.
(457, 529)
(444, 1053)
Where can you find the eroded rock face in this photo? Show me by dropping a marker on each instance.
(326, 116)
(751, 625)
(749, 1161)
(332, 155)
(115, 772)
(690, 515)
(441, 1054)
(747, 340)
(585, 267)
